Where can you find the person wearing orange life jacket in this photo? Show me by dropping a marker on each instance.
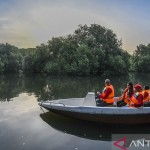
(137, 98)
(146, 94)
(126, 96)
(107, 96)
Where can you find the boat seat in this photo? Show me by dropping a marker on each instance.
(98, 104)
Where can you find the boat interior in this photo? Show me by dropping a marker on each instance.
(89, 100)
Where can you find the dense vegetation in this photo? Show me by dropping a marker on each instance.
(89, 50)
(10, 58)
(141, 58)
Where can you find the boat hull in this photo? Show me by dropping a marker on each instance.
(104, 115)
(86, 109)
(111, 119)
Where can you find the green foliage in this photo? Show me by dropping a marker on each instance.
(117, 64)
(141, 58)
(1, 66)
(89, 50)
(51, 67)
(83, 59)
(10, 58)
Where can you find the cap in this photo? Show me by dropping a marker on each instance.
(138, 87)
(107, 81)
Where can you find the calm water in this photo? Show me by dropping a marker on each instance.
(23, 125)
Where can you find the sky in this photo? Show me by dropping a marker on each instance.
(29, 23)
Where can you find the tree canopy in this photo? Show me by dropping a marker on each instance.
(141, 58)
(10, 58)
(89, 50)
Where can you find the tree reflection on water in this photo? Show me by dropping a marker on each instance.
(46, 87)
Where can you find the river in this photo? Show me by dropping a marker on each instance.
(24, 126)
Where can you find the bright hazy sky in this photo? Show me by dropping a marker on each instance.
(28, 23)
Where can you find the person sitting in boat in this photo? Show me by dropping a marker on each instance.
(137, 98)
(146, 94)
(126, 96)
(107, 96)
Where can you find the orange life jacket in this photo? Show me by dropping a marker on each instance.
(148, 97)
(134, 99)
(110, 98)
(126, 96)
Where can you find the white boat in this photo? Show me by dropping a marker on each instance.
(86, 109)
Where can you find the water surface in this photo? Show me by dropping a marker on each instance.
(23, 125)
